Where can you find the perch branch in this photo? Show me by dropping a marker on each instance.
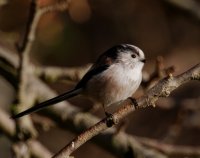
(162, 89)
(71, 118)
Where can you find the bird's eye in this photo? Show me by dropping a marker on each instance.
(133, 56)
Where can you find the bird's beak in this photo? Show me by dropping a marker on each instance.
(143, 60)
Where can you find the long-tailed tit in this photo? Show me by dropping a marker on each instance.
(115, 76)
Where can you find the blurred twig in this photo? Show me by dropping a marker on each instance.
(58, 73)
(169, 149)
(25, 69)
(160, 72)
(189, 5)
(24, 126)
(185, 108)
(3, 2)
(7, 126)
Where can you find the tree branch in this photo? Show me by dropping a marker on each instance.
(25, 69)
(24, 126)
(7, 126)
(162, 89)
(70, 116)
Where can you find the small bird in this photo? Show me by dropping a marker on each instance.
(115, 76)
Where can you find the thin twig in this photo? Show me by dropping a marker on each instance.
(160, 72)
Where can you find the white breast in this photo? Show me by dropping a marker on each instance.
(114, 84)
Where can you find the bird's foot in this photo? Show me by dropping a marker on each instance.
(134, 101)
(110, 120)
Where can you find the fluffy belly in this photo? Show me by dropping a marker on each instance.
(111, 89)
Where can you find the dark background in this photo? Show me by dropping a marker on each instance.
(76, 37)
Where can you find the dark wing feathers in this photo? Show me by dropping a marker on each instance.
(94, 70)
(102, 63)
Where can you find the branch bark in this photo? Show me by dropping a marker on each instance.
(71, 118)
(162, 89)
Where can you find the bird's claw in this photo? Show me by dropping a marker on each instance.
(134, 101)
(110, 121)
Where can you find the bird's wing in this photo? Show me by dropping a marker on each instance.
(91, 73)
(102, 63)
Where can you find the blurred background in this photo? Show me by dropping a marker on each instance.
(168, 28)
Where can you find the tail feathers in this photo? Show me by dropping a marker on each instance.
(49, 102)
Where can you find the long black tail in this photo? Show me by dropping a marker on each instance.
(49, 102)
